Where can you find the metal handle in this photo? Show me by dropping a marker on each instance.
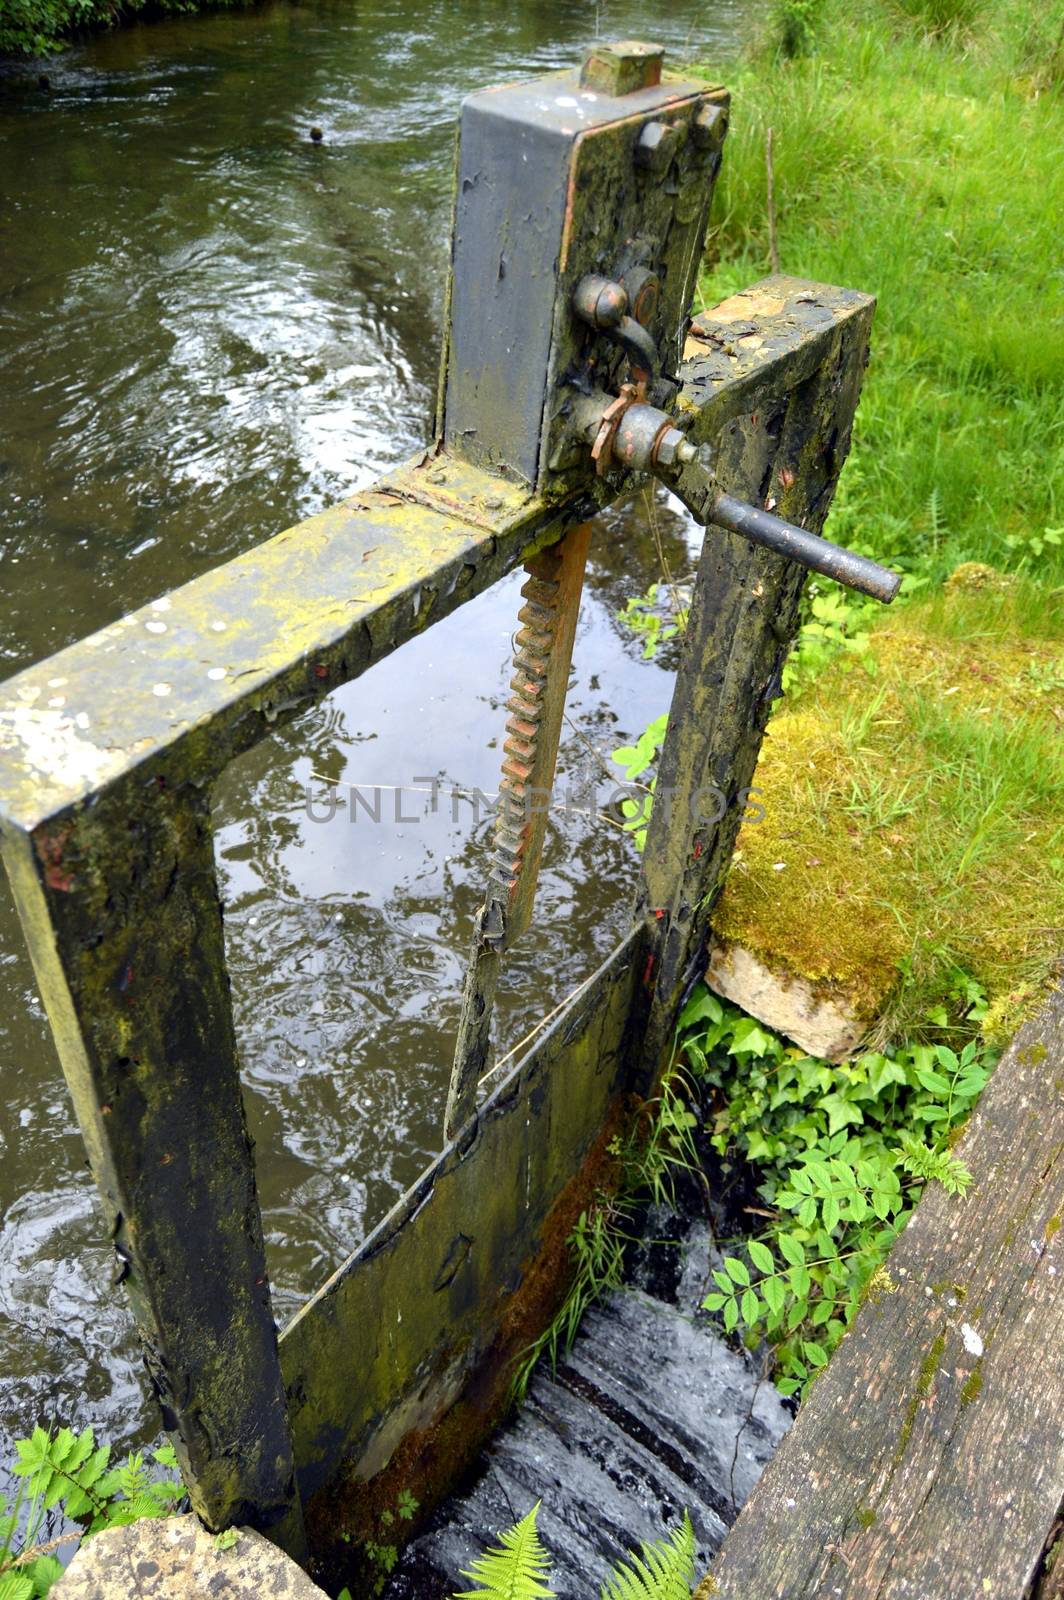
(819, 555)
(642, 438)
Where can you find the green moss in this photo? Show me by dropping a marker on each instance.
(925, 1378)
(930, 1364)
(1032, 1054)
(910, 821)
(1052, 1228)
(972, 1384)
(865, 1516)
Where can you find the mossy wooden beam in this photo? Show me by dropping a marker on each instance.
(780, 429)
(929, 1458)
(121, 912)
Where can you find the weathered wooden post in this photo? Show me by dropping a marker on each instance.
(582, 202)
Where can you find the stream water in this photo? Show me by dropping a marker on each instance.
(209, 328)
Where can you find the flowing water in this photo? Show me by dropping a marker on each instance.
(210, 327)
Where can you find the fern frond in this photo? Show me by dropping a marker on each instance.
(514, 1569)
(920, 1161)
(664, 1570)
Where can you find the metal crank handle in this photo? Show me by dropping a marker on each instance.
(646, 440)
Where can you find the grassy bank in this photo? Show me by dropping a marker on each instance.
(37, 27)
(917, 153)
(920, 159)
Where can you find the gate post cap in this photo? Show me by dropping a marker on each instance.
(622, 67)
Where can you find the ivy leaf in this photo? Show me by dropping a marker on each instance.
(815, 1353)
(933, 1082)
(731, 1316)
(737, 1270)
(884, 1073)
(748, 1038)
(749, 1307)
(702, 1007)
(713, 1302)
(841, 1113)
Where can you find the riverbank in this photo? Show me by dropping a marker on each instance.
(915, 154)
(39, 27)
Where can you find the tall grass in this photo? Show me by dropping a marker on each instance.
(919, 155)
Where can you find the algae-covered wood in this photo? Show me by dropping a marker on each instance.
(780, 432)
(928, 1460)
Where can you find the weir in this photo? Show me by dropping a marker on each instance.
(572, 374)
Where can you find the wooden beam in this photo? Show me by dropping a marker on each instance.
(928, 1460)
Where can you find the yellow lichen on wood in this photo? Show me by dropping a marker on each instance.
(914, 814)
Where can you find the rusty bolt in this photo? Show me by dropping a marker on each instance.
(644, 292)
(673, 450)
(709, 127)
(657, 146)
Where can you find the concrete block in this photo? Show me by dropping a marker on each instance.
(177, 1558)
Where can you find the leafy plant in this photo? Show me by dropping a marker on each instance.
(71, 1471)
(663, 1570)
(514, 1569)
(637, 760)
(648, 615)
(383, 1553)
(844, 1152)
(836, 623)
(517, 1569)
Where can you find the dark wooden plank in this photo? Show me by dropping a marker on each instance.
(928, 1462)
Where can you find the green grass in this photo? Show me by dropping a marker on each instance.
(919, 155)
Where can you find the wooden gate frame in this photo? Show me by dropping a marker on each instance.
(109, 752)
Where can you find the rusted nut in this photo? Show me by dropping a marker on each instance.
(709, 127)
(644, 292)
(673, 450)
(657, 145)
(600, 302)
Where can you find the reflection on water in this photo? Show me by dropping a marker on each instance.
(210, 327)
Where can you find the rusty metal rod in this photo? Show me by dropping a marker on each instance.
(820, 555)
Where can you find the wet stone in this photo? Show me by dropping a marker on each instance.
(177, 1558)
(650, 1413)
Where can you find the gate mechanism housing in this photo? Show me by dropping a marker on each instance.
(601, 173)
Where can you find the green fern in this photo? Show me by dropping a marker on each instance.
(664, 1570)
(514, 1569)
(922, 1162)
